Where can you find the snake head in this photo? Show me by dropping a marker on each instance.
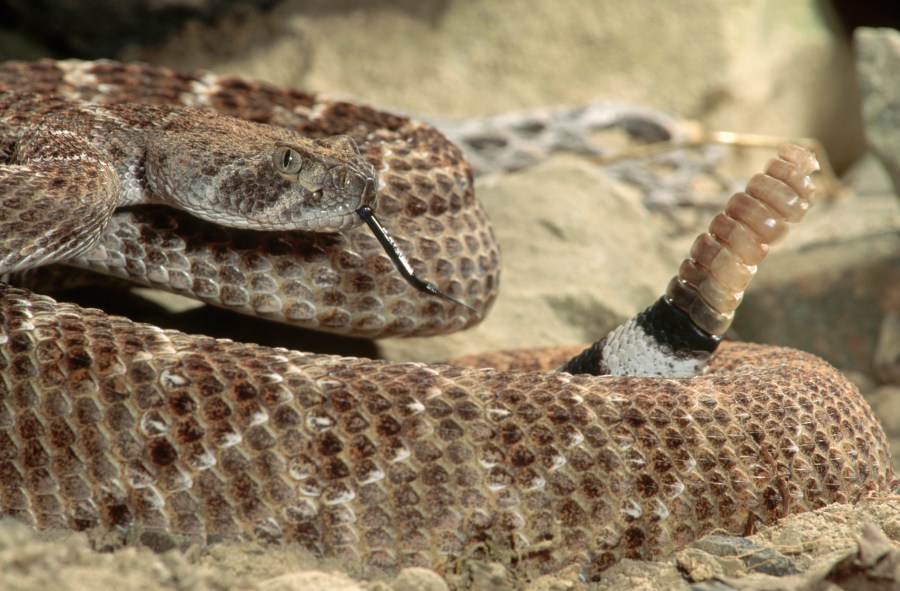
(260, 177)
(332, 179)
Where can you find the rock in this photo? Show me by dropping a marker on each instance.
(754, 557)
(816, 542)
(713, 586)
(878, 70)
(875, 566)
(771, 562)
(698, 565)
(302, 581)
(418, 579)
(757, 67)
(719, 545)
(65, 560)
(637, 575)
(101, 28)
(887, 352)
(885, 401)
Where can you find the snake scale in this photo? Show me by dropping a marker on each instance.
(104, 421)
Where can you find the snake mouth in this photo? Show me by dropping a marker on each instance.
(329, 208)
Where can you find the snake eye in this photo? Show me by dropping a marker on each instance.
(287, 161)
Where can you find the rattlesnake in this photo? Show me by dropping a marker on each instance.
(108, 422)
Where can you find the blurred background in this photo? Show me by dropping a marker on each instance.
(778, 67)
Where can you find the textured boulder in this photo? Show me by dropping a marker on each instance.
(878, 68)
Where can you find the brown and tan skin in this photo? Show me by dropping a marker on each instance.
(108, 422)
(337, 281)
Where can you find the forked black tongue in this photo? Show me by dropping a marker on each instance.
(397, 257)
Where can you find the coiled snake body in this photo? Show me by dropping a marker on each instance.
(108, 422)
